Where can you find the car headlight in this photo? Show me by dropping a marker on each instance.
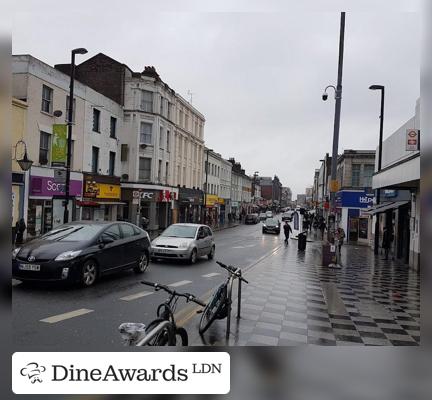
(15, 252)
(184, 245)
(68, 255)
(264, 226)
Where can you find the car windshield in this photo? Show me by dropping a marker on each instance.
(72, 233)
(182, 231)
(271, 221)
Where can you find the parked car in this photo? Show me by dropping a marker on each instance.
(262, 216)
(82, 251)
(269, 214)
(184, 242)
(271, 225)
(251, 219)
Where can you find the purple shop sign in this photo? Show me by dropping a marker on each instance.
(47, 187)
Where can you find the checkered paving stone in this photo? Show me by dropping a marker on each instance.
(285, 304)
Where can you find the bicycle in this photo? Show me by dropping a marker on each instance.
(219, 307)
(163, 331)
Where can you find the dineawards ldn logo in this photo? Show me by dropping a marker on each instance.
(33, 371)
(121, 373)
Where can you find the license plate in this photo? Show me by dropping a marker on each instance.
(29, 267)
(158, 250)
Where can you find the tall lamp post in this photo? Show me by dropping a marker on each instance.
(69, 139)
(338, 98)
(378, 191)
(206, 184)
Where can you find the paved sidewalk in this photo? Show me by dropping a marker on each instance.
(292, 300)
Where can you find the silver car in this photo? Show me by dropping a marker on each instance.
(184, 242)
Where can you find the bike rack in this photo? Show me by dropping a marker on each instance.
(228, 326)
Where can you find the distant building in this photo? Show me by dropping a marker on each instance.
(301, 200)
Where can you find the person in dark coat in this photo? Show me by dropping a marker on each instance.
(322, 227)
(20, 228)
(386, 241)
(287, 230)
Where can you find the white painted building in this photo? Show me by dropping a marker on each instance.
(45, 90)
(400, 171)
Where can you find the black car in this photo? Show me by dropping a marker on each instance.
(271, 225)
(251, 219)
(81, 252)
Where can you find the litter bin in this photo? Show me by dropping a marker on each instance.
(302, 241)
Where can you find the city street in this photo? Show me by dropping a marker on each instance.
(291, 299)
(96, 312)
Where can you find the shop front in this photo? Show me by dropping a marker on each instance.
(101, 198)
(18, 195)
(46, 199)
(350, 205)
(213, 209)
(156, 203)
(190, 202)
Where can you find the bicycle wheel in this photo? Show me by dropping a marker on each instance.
(213, 308)
(166, 337)
(181, 337)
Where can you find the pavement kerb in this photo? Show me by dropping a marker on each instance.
(183, 316)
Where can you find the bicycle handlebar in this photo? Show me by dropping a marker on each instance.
(187, 296)
(232, 270)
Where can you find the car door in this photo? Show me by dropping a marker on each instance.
(110, 255)
(208, 239)
(131, 246)
(200, 240)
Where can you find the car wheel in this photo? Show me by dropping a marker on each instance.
(89, 273)
(142, 263)
(193, 257)
(212, 253)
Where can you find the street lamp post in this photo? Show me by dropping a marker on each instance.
(378, 193)
(338, 98)
(69, 139)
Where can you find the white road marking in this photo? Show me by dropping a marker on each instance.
(136, 296)
(238, 247)
(210, 275)
(179, 283)
(68, 315)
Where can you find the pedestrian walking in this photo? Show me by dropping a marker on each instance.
(322, 228)
(20, 228)
(340, 235)
(387, 241)
(287, 230)
(144, 222)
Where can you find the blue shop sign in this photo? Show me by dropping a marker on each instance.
(354, 199)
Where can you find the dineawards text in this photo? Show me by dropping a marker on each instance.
(113, 374)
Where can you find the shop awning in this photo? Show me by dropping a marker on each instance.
(93, 203)
(112, 202)
(384, 207)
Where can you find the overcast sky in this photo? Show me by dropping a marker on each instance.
(256, 77)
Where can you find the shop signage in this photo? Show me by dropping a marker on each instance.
(158, 196)
(354, 199)
(59, 145)
(47, 187)
(412, 139)
(212, 200)
(98, 190)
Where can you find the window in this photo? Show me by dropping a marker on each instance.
(111, 168)
(127, 230)
(47, 97)
(146, 133)
(144, 169)
(355, 178)
(113, 127)
(168, 140)
(368, 170)
(181, 118)
(159, 176)
(169, 111)
(161, 143)
(96, 120)
(44, 147)
(178, 175)
(166, 172)
(161, 105)
(113, 232)
(67, 109)
(147, 101)
(187, 121)
(95, 159)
